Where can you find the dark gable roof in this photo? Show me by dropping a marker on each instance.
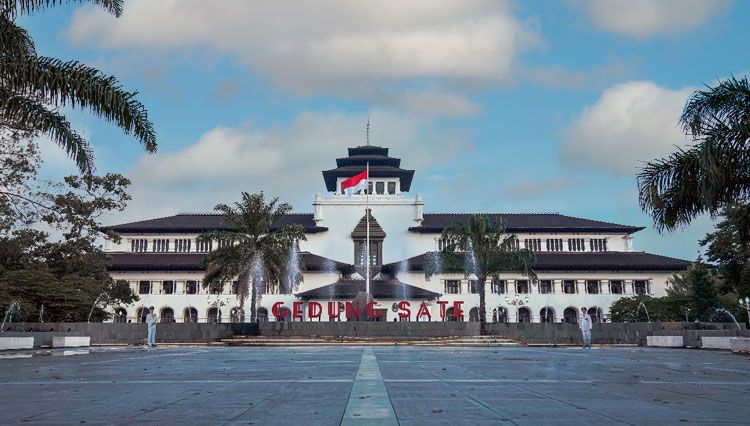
(201, 222)
(597, 261)
(381, 166)
(194, 262)
(434, 223)
(380, 289)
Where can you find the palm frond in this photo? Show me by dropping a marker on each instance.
(14, 40)
(20, 112)
(13, 8)
(74, 84)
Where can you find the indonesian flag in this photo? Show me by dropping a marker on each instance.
(355, 184)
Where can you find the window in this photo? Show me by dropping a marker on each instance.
(570, 315)
(262, 315)
(499, 314)
(204, 246)
(615, 287)
(391, 188)
(533, 244)
(225, 243)
(524, 315)
(214, 315)
(498, 286)
(182, 245)
(554, 244)
(235, 315)
(545, 287)
(522, 287)
(473, 287)
(592, 287)
(547, 315)
(216, 288)
(272, 287)
(595, 314)
(138, 245)
(141, 314)
(380, 188)
(235, 287)
(191, 287)
(569, 287)
(641, 287)
(144, 287)
(474, 315)
(598, 244)
(190, 315)
(453, 287)
(160, 245)
(360, 254)
(576, 244)
(167, 287)
(166, 316)
(121, 315)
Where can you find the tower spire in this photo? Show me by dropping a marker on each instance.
(368, 131)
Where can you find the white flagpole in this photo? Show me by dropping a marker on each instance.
(367, 216)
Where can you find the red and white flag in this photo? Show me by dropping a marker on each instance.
(355, 184)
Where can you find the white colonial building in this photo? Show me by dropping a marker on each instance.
(580, 262)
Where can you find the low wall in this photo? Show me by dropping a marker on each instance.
(369, 328)
(128, 333)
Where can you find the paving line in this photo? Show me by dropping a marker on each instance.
(369, 402)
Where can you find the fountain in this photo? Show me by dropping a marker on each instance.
(13, 307)
(96, 302)
(717, 310)
(257, 277)
(435, 263)
(41, 313)
(471, 259)
(638, 309)
(403, 268)
(292, 267)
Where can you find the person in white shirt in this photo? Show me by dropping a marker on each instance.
(584, 321)
(151, 323)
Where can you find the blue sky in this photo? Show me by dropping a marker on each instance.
(499, 106)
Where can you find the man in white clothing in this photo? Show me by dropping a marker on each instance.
(151, 323)
(584, 321)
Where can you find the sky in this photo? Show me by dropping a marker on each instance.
(499, 106)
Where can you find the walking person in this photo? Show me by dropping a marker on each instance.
(584, 321)
(151, 323)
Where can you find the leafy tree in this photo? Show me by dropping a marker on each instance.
(703, 292)
(253, 249)
(673, 308)
(33, 88)
(727, 248)
(481, 247)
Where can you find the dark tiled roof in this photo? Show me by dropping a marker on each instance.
(597, 261)
(381, 165)
(380, 289)
(189, 222)
(194, 262)
(524, 222)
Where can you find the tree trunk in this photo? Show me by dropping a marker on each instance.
(482, 305)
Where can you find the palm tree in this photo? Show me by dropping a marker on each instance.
(483, 248)
(711, 174)
(33, 88)
(252, 247)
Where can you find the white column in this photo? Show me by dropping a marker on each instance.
(605, 286)
(557, 287)
(511, 286)
(627, 287)
(580, 286)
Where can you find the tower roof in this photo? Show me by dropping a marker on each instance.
(381, 166)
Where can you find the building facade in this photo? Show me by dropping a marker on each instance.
(580, 262)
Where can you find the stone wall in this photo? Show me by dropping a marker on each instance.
(369, 328)
(129, 333)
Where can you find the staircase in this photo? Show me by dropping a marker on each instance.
(461, 341)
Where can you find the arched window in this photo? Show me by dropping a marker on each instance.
(547, 315)
(141, 314)
(235, 315)
(595, 313)
(524, 315)
(262, 315)
(570, 315)
(190, 315)
(474, 315)
(167, 287)
(214, 315)
(500, 314)
(449, 316)
(121, 315)
(166, 316)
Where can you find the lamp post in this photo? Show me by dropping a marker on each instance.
(745, 303)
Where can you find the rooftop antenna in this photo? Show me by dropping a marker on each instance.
(368, 131)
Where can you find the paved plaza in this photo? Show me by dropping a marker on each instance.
(377, 385)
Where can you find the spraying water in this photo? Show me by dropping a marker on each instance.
(257, 274)
(642, 305)
(717, 310)
(471, 259)
(14, 307)
(435, 263)
(41, 313)
(96, 302)
(403, 268)
(292, 267)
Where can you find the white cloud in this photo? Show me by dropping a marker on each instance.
(335, 46)
(643, 19)
(629, 124)
(282, 160)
